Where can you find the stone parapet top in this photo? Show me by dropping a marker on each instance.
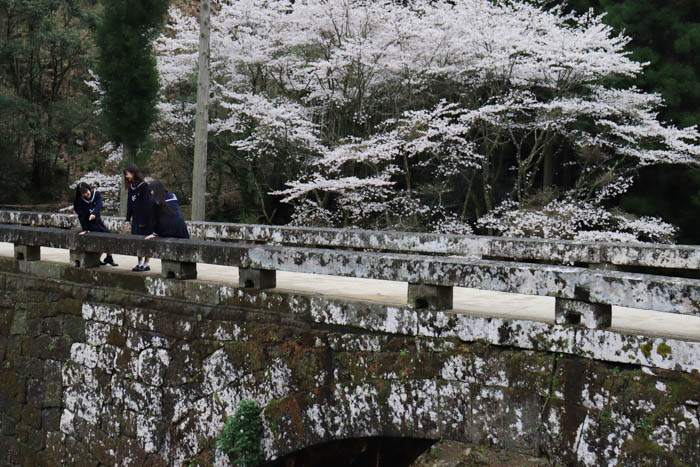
(530, 249)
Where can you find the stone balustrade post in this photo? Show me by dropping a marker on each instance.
(178, 270)
(591, 315)
(84, 259)
(251, 278)
(27, 252)
(431, 297)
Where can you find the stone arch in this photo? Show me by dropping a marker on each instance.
(417, 409)
(382, 451)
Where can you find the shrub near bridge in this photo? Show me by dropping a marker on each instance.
(241, 435)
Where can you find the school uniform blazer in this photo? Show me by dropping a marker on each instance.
(169, 224)
(84, 208)
(138, 209)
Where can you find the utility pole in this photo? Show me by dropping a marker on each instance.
(199, 171)
(128, 157)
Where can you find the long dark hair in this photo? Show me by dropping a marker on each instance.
(158, 197)
(81, 188)
(138, 176)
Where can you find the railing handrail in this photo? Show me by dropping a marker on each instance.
(666, 294)
(516, 249)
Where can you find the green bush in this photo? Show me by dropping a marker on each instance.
(240, 437)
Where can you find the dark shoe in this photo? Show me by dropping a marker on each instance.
(145, 267)
(137, 268)
(109, 260)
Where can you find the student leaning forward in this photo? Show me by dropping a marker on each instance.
(138, 209)
(167, 221)
(88, 205)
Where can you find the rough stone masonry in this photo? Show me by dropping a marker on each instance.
(108, 368)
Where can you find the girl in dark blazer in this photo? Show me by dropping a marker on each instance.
(166, 218)
(87, 205)
(138, 209)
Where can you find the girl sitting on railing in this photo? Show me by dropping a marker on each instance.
(87, 205)
(166, 218)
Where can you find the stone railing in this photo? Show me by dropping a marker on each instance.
(598, 255)
(582, 295)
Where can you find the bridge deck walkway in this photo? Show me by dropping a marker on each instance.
(469, 301)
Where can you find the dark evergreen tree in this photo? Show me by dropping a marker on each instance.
(46, 113)
(127, 70)
(666, 34)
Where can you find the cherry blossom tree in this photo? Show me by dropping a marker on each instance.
(429, 115)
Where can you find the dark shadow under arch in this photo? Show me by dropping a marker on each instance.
(357, 452)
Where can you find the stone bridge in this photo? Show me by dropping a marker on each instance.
(108, 367)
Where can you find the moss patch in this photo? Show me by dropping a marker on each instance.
(664, 350)
(646, 349)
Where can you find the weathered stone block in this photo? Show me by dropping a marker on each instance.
(129, 448)
(10, 449)
(55, 450)
(13, 349)
(70, 306)
(84, 259)
(152, 365)
(42, 269)
(31, 416)
(591, 315)
(80, 455)
(34, 327)
(431, 297)
(35, 395)
(6, 313)
(7, 265)
(51, 419)
(129, 424)
(257, 278)
(53, 393)
(201, 293)
(19, 323)
(27, 252)
(73, 326)
(178, 270)
(32, 438)
(7, 424)
(116, 337)
(47, 348)
(52, 326)
(40, 310)
(100, 446)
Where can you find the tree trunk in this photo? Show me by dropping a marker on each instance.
(548, 170)
(129, 156)
(199, 171)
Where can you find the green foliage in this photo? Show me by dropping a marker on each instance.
(241, 435)
(664, 33)
(675, 197)
(127, 67)
(47, 116)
